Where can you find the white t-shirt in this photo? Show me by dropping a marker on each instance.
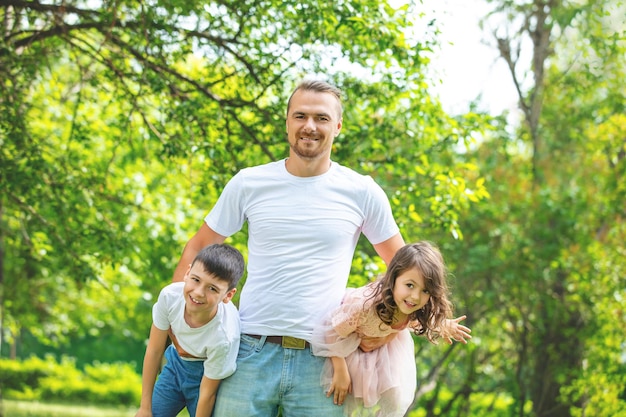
(302, 233)
(216, 343)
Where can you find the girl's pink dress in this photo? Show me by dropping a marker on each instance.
(383, 380)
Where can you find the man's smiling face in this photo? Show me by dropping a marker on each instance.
(313, 122)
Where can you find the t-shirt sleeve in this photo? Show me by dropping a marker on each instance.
(221, 361)
(227, 215)
(160, 310)
(379, 224)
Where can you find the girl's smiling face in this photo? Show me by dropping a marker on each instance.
(409, 292)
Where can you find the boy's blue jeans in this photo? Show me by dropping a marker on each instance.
(177, 386)
(269, 376)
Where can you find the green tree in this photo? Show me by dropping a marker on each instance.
(542, 260)
(121, 122)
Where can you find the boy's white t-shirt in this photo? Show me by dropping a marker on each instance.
(302, 233)
(216, 343)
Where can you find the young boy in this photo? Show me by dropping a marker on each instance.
(204, 328)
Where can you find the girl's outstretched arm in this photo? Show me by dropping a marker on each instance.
(452, 331)
(341, 384)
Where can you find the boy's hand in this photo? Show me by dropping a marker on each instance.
(143, 413)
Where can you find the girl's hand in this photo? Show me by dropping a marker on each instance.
(341, 384)
(455, 331)
(340, 387)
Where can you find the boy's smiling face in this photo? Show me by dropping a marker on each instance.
(203, 292)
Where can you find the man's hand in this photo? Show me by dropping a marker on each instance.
(369, 344)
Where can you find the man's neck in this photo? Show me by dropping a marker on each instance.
(307, 168)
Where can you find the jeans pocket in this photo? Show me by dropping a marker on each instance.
(248, 346)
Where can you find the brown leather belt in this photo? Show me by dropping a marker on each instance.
(287, 342)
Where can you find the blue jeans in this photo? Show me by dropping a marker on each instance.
(177, 386)
(270, 377)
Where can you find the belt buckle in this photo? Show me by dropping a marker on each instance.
(293, 343)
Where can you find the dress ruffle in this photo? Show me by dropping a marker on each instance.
(383, 380)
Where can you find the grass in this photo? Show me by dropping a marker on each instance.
(12, 408)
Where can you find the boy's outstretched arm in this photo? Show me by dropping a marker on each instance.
(151, 367)
(206, 399)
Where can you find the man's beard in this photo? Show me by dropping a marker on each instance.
(307, 153)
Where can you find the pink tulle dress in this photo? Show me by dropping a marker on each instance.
(383, 380)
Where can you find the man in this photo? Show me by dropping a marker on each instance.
(305, 215)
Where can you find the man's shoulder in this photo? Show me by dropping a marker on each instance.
(269, 167)
(345, 170)
(350, 175)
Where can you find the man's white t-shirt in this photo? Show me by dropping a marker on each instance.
(302, 233)
(216, 343)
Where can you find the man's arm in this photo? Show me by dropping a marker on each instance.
(151, 367)
(369, 344)
(203, 237)
(206, 400)
(386, 250)
(389, 247)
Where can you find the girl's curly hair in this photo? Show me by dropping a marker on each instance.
(426, 258)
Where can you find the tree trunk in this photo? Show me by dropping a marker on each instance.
(1, 298)
(555, 352)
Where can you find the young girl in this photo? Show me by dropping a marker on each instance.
(371, 370)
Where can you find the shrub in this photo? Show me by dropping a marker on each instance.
(49, 380)
(19, 375)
